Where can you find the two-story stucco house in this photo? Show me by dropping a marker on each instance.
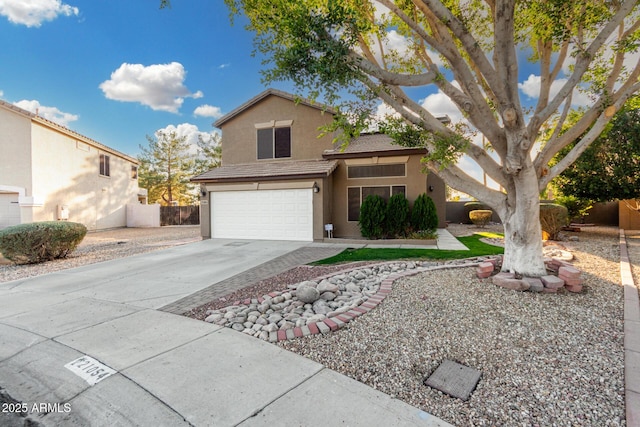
(280, 180)
(48, 172)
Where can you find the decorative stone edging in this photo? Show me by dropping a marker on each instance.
(339, 318)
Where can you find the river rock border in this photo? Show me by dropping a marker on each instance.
(284, 315)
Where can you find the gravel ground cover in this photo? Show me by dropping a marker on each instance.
(106, 245)
(545, 359)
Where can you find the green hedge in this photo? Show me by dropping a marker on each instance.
(424, 216)
(397, 216)
(40, 241)
(372, 217)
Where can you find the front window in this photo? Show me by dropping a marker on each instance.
(356, 196)
(104, 165)
(134, 172)
(274, 143)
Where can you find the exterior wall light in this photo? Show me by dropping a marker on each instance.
(316, 188)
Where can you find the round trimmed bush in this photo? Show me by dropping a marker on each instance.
(474, 206)
(552, 218)
(40, 241)
(480, 217)
(372, 216)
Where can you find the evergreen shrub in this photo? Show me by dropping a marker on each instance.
(424, 216)
(372, 217)
(397, 215)
(40, 241)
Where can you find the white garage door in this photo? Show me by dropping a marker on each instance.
(9, 210)
(262, 215)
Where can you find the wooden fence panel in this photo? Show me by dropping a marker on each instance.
(179, 215)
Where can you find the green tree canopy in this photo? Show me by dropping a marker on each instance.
(166, 166)
(356, 52)
(609, 169)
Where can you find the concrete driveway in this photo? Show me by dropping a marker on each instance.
(87, 347)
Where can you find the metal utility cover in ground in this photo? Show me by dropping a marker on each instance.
(454, 379)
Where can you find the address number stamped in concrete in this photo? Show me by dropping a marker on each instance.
(89, 369)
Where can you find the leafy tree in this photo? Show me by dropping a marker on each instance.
(165, 169)
(209, 153)
(356, 52)
(609, 169)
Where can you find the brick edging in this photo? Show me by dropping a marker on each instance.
(631, 337)
(339, 321)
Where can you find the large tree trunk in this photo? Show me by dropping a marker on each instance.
(522, 232)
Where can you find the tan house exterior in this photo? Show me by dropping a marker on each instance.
(281, 180)
(48, 172)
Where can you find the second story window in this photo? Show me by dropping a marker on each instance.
(104, 165)
(134, 172)
(274, 143)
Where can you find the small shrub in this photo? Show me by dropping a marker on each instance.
(397, 215)
(40, 241)
(576, 207)
(423, 215)
(372, 217)
(552, 218)
(480, 217)
(423, 235)
(474, 206)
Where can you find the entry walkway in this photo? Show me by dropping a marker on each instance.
(157, 368)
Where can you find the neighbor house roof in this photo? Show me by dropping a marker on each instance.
(66, 131)
(264, 95)
(263, 171)
(369, 145)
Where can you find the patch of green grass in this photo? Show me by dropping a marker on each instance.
(476, 248)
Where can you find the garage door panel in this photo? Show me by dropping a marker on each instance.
(263, 214)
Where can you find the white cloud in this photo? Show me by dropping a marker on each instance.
(33, 13)
(159, 86)
(1, 94)
(49, 113)
(207, 110)
(190, 132)
(531, 88)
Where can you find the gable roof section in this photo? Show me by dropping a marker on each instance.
(268, 171)
(256, 99)
(367, 145)
(66, 131)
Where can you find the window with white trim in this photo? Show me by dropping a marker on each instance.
(104, 165)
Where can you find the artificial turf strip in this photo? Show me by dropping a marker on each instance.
(476, 248)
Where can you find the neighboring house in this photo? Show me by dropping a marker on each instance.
(48, 172)
(280, 180)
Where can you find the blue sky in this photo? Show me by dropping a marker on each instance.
(118, 70)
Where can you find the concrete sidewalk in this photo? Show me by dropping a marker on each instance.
(160, 369)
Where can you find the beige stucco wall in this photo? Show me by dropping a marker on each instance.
(67, 173)
(15, 137)
(239, 135)
(415, 181)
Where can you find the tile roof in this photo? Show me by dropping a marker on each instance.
(370, 144)
(270, 170)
